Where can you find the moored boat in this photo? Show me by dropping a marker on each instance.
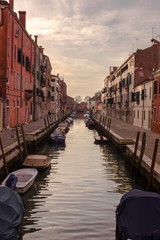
(25, 178)
(58, 136)
(11, 213)
(37, 161)
(138, 216)
(99, 139)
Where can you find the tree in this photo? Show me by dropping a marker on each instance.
(78, 99)
(86, 98)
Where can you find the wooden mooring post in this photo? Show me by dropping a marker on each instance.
(133, 160)
(137, 160)
(3, 156)
(19, 144)
(24, 141)
(141, 151)
(150, 178)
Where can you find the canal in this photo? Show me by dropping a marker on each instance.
(77, 196)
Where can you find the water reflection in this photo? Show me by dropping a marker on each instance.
(77, 196)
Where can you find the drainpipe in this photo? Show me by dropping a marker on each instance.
(34, 80)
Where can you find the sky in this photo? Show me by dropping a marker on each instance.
(83, 38)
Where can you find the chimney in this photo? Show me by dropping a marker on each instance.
(35, 38)
(41, 49)
(22, 18)
(11, 3)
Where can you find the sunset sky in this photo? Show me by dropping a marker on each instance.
(83, 38)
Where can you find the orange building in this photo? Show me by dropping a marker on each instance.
(16, 67)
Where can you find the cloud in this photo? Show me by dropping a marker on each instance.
(84, 38)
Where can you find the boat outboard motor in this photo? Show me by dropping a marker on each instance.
(12, 181)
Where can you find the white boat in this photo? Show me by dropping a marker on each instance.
(37, 161)
(100, 139)
(25, 178)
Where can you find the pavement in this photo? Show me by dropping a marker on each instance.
(9, 136)
(121, 128)
(126, 130)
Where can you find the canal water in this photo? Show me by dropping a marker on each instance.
(76, 197)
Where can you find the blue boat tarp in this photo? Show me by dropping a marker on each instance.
(11, 213)
(138, 216)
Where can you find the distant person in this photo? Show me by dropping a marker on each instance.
(49, 113)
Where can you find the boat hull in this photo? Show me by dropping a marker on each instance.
(100, 140)
(37, 161)
(26, 178)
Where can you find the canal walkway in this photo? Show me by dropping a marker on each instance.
(121, 128)
(129, 131)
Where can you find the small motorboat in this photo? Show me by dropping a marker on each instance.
(138, 216)
(90, 124)
(37, 161)
(99, 139)
(11, 213)
(57, 137)
(21, 180)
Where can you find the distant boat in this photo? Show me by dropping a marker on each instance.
(11, 213)
(57, 137)
(100, 139)
(37, 161)
(25, 178)
(138, 216)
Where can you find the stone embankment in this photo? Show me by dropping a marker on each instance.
(13, 151)
(143, 158)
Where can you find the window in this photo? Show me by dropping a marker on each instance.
(18, 103)
(137, 114)
(133, 113)
(27, 64)
(7, 102)
(142, 94)
(144, 115)
(150, 92)
(155, 87)
(19, 55)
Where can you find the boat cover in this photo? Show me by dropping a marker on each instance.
(138, 216)
(11, 213)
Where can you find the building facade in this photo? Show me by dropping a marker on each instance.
(124, 93)
(25, 71)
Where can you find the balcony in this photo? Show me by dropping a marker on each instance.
(43, 81)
